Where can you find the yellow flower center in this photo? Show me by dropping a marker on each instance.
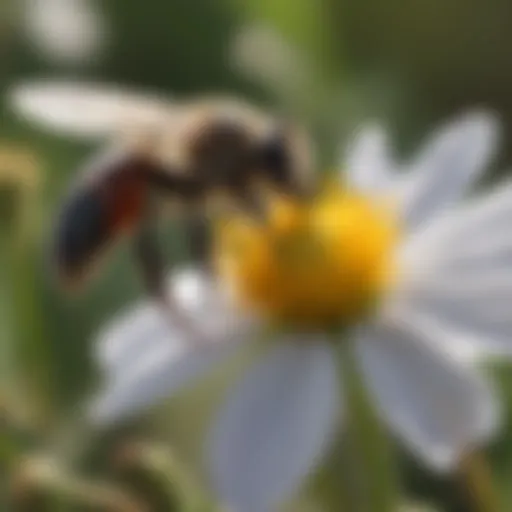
(319, 264)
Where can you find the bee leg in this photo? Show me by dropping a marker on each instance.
(251, 201)
(199, 240)
(152, 266)
(149, 258)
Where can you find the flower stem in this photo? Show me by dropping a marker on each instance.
(476, 478)
(155, 473)
(368, 449)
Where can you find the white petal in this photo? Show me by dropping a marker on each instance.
(85, 110)
(163, 370)
(369, 164)
(129, 337)
(458, 274)
(481, 226)
(475, 317)
(146, 358)
(437, 405)
(273, 430)
(473, 226)
(448, 166)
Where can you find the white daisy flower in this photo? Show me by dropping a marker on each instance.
(420, 288)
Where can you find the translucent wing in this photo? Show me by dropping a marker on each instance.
(86, 110)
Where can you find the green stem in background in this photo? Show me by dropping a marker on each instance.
(476, 479)
(39, 484)
(368, 449)
(333, 486)
(34, 357)
(159, 478)
(24, 379)
(28, 367)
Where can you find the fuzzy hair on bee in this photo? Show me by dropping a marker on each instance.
(202, 154)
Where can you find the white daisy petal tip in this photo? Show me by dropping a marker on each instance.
(486, 121)
(131, 334)
(448, 459)
(487, 418)
(367, 160)
(483, 128)
(451, 162)
(440, 406)
(479, 131)
(112, 408)
(372, 132)
(471, 126)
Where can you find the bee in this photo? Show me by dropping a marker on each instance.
(197, 154)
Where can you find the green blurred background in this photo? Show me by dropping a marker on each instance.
(333, 64)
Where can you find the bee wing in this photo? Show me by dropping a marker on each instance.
(86, 110)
